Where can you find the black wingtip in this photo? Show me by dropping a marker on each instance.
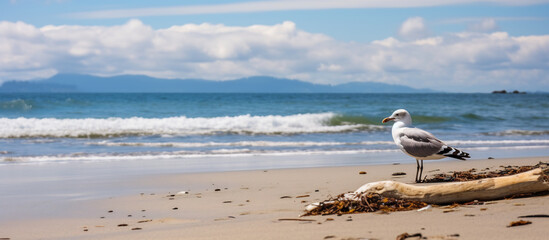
(458, 157)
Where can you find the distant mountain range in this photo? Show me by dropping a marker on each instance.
(140, 83)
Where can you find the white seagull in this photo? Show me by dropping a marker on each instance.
(419, 143)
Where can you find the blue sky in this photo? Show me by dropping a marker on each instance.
(457, 45)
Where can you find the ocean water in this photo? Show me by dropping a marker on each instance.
(46, 128)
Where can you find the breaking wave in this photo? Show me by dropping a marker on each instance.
(17, 104)
(176, 126)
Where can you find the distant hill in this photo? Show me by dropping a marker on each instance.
(140, 83)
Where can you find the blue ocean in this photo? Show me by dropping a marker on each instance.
(55, 128)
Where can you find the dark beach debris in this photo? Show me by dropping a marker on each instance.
(227, 201)
(123, 225)
(399, 174)
(144, 221)
(329, 237)
(362, 172)
(175, 208)
(285, 197)
(296, 219)
(136, 228)
(519, 223)
(303, 196)
(406, 236)
(368, 203)
(535, 216)
(110, 211)
(217, 190)
(471, 174)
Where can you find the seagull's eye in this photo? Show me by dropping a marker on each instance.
(397, 114)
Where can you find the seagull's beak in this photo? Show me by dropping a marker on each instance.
(387, 119)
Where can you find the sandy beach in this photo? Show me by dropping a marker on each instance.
(265, 204)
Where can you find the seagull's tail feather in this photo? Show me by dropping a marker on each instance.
(453, 153)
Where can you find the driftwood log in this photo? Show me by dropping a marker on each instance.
(532, 181)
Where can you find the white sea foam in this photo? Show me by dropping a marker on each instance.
(301, 143)
(518, 132)
(63, 158)
(238, 144)
(173, 126)
(242, 152)
(497, 142)
(509, 147)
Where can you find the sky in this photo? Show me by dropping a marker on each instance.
(451, 45)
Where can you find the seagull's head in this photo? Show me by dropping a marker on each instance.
(400, 115)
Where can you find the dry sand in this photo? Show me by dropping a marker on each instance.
(251, 204)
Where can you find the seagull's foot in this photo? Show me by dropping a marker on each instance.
(421, 180)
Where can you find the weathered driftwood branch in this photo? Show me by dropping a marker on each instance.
(484, 189)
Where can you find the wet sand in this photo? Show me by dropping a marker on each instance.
(266, 204)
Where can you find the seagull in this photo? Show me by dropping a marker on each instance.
(419, 143)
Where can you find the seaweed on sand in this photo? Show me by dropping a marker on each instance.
(366, 203)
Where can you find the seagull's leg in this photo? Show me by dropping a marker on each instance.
(421, 172)
(417, 171)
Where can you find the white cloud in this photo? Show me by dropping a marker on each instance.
(485, 25)
(413, 28)
(467, 61)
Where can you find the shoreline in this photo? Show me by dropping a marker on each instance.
(248, 205)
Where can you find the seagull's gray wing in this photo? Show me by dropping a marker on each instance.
(419, 143)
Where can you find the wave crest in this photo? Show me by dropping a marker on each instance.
(17, 104)
(173, 126)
